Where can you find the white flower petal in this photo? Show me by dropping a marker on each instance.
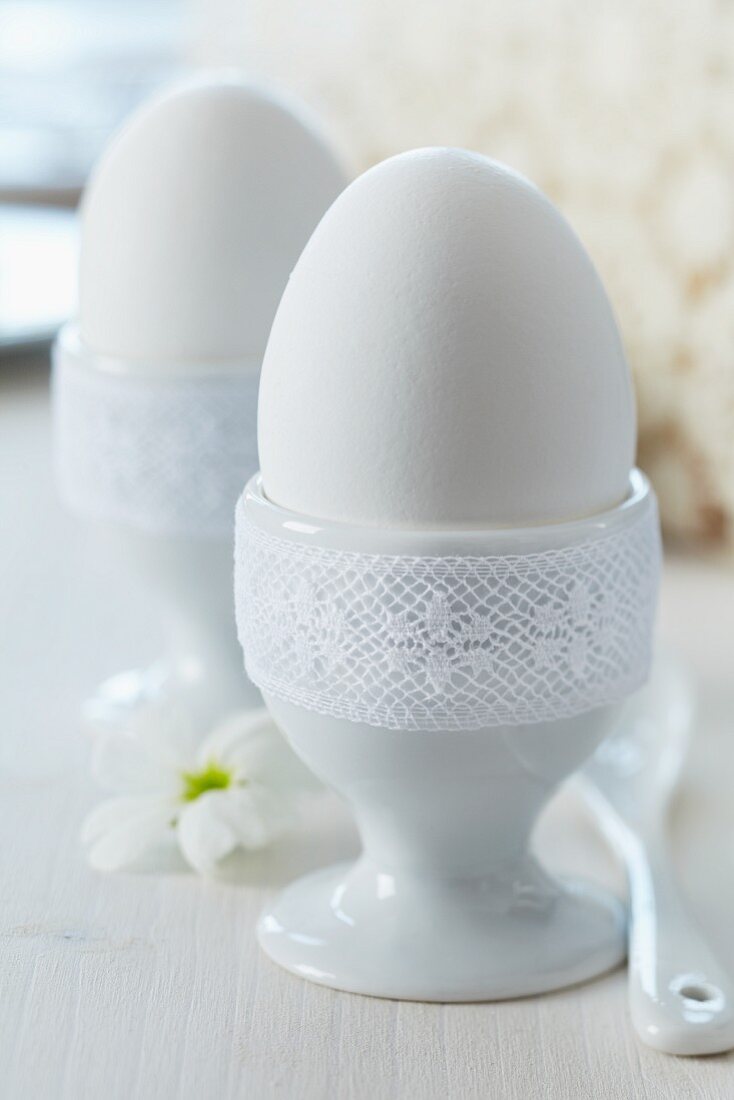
(236, 730)
(252, 744)
(204, 834)
(258, 814)
(132, 830)
(212, 826)
(111, 813)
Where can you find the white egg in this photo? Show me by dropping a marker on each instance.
(193, 220)
(444, 355)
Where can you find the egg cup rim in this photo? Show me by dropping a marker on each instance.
(254, 506)
(70, 347)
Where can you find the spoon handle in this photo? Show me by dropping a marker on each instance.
(681, 1001)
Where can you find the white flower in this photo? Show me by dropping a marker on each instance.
(238, 788)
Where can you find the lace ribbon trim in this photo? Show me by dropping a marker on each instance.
(427, 643)
(168, 456)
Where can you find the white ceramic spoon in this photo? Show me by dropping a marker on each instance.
(681, 1001)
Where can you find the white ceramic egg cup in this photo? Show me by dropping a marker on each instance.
(153, 463)
(446, 902)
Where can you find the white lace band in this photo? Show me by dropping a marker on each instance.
(462, 642)
(165, 455)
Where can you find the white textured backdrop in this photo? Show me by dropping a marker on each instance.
(622, 111)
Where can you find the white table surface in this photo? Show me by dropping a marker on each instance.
(153, 986)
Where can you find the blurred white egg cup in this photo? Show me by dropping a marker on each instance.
(445, 682)
(190, 225)
(153, 462)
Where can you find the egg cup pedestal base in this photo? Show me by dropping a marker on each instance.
(446, 901)
(189, 581)
(184, 685)
(410, 937)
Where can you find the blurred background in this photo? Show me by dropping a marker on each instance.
(623, 112)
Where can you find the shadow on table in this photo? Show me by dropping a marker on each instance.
(326, 835)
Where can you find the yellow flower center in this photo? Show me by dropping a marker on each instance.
(212, 777)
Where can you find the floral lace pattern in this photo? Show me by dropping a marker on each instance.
(408, 642)
(166, 455)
